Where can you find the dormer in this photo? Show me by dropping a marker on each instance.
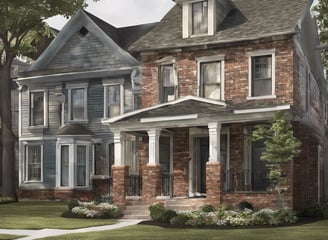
(201, 17)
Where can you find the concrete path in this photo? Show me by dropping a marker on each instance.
(35, 234)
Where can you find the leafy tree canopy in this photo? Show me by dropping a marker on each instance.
(322, 19)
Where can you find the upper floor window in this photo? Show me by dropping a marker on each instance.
(167, 79)
(38, 108)
(211, 77)
(33, 163)
(113, 97)
(77, 102)
(199, 17)
(261, 74)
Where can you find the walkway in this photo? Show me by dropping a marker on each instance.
(35, 234)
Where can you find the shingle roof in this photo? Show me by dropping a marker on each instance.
(253, 19)
(74, 129)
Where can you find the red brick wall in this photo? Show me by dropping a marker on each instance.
(236, 72)
(151, 183)
(214, 184)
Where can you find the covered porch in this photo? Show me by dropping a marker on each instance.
(188, 148)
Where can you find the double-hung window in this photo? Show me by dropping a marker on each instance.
(38, 108)
(33, 163)
(167, 76)
(113, 97)
(211, 77)
(261, 74)
(199, 17)
(77, 102)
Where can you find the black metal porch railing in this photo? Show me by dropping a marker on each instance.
(133, 185)
(246, 180)
(167, 184)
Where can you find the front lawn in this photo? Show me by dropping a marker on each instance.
(42, 214)
(313, 231)
(8, 237)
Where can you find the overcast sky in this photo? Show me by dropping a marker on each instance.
(121, 13)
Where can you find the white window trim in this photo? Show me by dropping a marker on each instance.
(187, 19)
(207, 59)
(25, 158)
(45, 108)
(112, 82)
(169, 60)
(273, 73)
(72, 166)
(71, 87)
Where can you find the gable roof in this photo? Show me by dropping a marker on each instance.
(113, 38)
(250, 20)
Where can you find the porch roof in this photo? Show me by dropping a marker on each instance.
(191, 111)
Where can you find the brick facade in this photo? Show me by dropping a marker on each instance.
(120, 174)
(151, 183)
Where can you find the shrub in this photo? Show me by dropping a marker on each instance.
(245, 205)
(179, 220)
(314, 210)
(207, 208)
(167, 216)
(4, 200)
(156, 211)
(72, 204)
(225, 206)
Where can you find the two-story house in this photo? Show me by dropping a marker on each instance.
(83, 77)
(212, 70)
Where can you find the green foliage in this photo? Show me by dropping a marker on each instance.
(156, 211)
(7, 200)
(72, 204)
(207, 208)
(167, 216)
(180, 220)
(280, 147)
(245, 205)
(316, 210)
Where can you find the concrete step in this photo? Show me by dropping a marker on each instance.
(137, 207)
(136, 212)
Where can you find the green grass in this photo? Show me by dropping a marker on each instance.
(42, 214)
(313, 231)
(9, 237)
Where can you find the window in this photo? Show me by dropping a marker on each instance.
(38, 108)
(72, 163)
(199, 17)
(137, 100)
(167, 83)
(261, 75)
(33, 163)
(211, 77)
(113, 97)
(77, 102)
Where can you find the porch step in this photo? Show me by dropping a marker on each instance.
(136, 211)
(183, 204)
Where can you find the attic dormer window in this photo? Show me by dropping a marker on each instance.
(199, 17)
(83, 31)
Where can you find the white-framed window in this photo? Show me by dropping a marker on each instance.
(211, 77)
(261, 69)
(72, 164)
(198, 18)
(38, 102)
(77, 102)
(103, 158)
(33, 163)
(113, 97)
(167, 79)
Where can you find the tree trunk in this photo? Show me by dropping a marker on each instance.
(8, 139)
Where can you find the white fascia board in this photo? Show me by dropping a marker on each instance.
(165, 119)
(260, 110)
(179, 100)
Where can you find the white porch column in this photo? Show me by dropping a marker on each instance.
(154, 146)
(214, 130)
(119, 148)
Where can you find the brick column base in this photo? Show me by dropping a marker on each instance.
(151, 183)
(120, 174)
(214, 193)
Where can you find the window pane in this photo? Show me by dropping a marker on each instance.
(211, 80)
(98, 153)
(77, 110)
(262, 75)
(199, 17)
(167, 76)
(64, 163)
(137, 101)
(114, 100)
(34, 163)
(110, 157)
(81, 165)
(167, 83)
(37, 108)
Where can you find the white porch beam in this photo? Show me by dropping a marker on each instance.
(154, 135)
(119, 148)
(214, 130)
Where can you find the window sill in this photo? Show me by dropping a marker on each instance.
(101, 177)
(32, 182)
(31, 128)
(78, 121)
(262, 97)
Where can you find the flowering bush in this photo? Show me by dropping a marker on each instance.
(93, 210)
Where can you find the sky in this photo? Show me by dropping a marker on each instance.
(121, 13)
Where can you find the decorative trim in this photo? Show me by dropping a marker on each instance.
(260, 110)
(174, 118)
